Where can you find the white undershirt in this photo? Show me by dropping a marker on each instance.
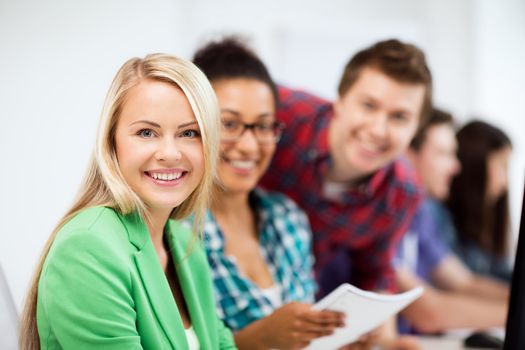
(274, 295)
(334, 190)
(191, 337)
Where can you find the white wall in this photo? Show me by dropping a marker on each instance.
(499, 80)
(57, 59)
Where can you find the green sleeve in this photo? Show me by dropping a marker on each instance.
(226, 340)
(84, 296)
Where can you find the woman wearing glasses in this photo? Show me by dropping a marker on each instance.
(258, 242)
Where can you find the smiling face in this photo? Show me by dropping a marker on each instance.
(158, 145)
(244, 161)
(374, 122)
(436, 161)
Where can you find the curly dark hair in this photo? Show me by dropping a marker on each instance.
(230, 58)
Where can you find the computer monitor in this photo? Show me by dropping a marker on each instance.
(515, 330)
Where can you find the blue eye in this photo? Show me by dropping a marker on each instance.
(146, 133)
(190, 133)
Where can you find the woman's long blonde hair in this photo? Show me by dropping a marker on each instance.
(104, 185)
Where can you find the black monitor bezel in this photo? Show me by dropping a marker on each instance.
(515, 329)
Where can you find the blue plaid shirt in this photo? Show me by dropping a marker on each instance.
(285, 243)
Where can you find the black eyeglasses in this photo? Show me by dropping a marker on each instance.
(264, 132)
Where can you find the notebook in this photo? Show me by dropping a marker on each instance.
(364, 311)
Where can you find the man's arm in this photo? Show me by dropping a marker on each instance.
(452, 275)
(437, 310)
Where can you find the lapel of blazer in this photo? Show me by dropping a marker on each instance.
(155, 282)
(182, 250)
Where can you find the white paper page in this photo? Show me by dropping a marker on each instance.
(364, 311)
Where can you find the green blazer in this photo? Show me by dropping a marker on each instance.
(102, 287)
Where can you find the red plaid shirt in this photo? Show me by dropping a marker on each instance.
(355, 238)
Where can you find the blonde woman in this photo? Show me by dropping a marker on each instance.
(120, 272)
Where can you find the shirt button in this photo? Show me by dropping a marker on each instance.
(312, 154)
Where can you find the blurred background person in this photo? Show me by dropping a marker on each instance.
(479, 200)
(341, 163)
(258, 243)
(347, 173)
(454, 296)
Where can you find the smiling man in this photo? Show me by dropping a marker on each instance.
(340, 162)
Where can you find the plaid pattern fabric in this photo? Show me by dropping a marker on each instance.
(355, 239)
(285, 243)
